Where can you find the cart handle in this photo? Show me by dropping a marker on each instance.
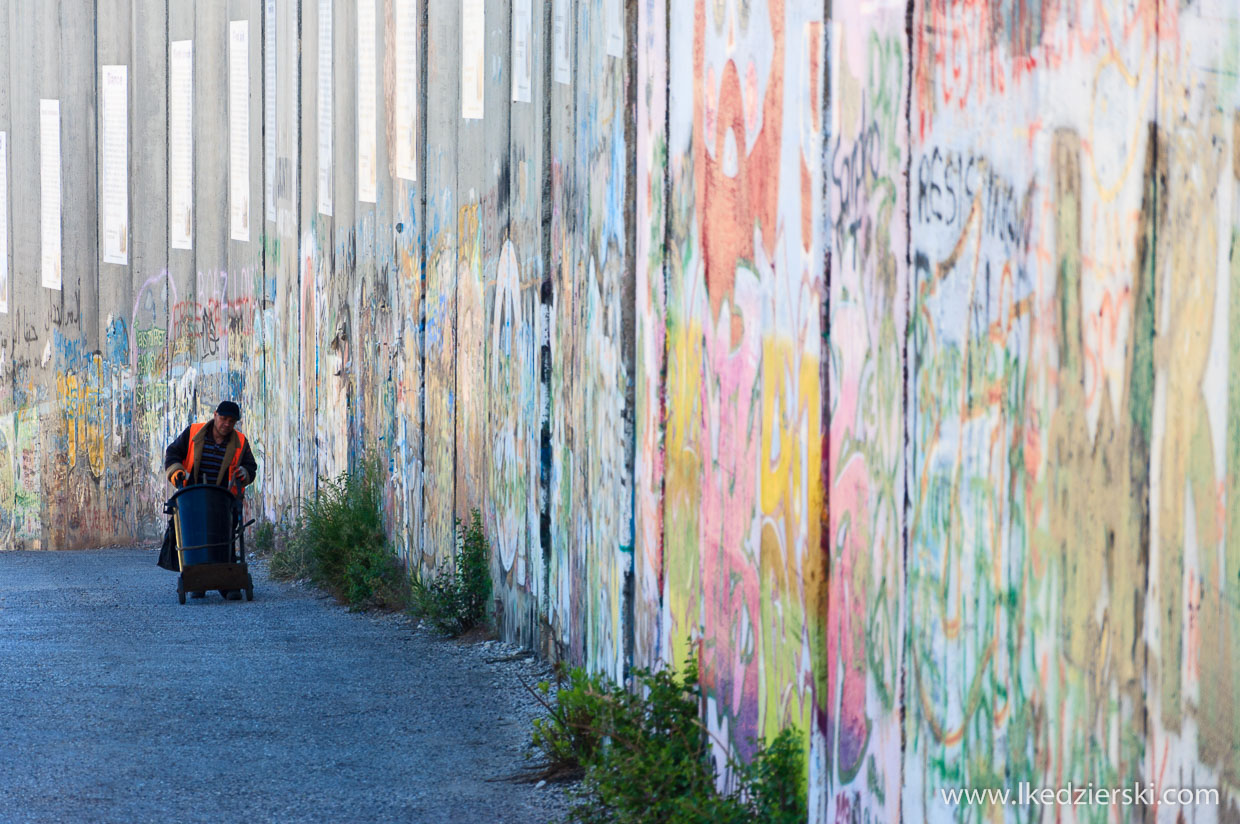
(202, 546)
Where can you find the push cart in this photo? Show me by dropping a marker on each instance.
(210, 540)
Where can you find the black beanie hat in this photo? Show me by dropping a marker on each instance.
(229, 409)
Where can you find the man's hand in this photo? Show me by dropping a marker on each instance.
(178, 478)
(242, 475)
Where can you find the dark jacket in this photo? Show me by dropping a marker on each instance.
(178, 450)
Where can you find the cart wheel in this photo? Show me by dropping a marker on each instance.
(249, 594)
(180, 596)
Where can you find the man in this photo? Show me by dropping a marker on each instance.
(214, 452)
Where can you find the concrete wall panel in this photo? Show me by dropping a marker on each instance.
(443, 110)
(746, 286)
(9, 332)
(514, 341)
(861, 658)
(567, 600)
(153, 293)
(114, 301)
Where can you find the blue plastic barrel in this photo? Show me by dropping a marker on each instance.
(205, 512)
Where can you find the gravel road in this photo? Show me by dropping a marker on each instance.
(117, 704)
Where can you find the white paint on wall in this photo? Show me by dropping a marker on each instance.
(367, 143)
(522, 55)
(406, 90)
(473, 56)
(49, 188)
(325, 112)
(114, 163)
(559, 37)
(4, 223)
(615, 28)
(181, 144)
(269, 107)
(239, 129)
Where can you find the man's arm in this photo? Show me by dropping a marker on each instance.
(174, 455)
(248, 463)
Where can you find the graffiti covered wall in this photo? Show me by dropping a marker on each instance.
(877, 356)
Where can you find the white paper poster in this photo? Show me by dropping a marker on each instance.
(269, 108)
(615, 27)
(367, 146)
(559, 38)
(49, 190)
(406, 89)
(325, 107)
(522, 56)
(290, 137)
(473, 52)
(114, 163)
(181, 144)
(4, 222)
(239, 129)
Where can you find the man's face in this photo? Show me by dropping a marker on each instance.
(224, 425)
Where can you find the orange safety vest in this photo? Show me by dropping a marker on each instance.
(227, 468)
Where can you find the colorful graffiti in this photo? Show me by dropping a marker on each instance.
(745, 574)
(857, 747)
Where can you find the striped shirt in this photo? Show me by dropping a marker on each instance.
(208, 463)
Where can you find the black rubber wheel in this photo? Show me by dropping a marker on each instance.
(249, 594)
(180, 596)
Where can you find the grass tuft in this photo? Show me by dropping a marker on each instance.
(455, 601)
(338, 541)
(645, 756)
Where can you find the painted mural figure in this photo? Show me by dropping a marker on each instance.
(214, 449)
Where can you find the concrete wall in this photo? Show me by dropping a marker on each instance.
(878, 355)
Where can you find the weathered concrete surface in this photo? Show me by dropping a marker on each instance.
(118, 704)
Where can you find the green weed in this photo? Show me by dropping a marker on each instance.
(455, 601)
(645, 756)
(264, 541)
(289, 558)
(338, 541)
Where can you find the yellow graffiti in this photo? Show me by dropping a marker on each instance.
(792, 572)
(683, 493)
(81, 423)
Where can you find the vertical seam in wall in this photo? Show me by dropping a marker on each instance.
(302, 436)
(629, 335)
(167, 243)
(571, 361)
(423, 150)
(662, 644)
(12, 275)
(513, 634)
(194, 155)
(544, 313)
(262, 266)
(1156, 171)
(93, 164)
(507, 98)
(824, 348)
(906, 371)
(454, 221)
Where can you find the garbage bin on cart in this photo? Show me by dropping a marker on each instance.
(210, 540)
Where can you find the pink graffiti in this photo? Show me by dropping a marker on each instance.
(730, 441)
